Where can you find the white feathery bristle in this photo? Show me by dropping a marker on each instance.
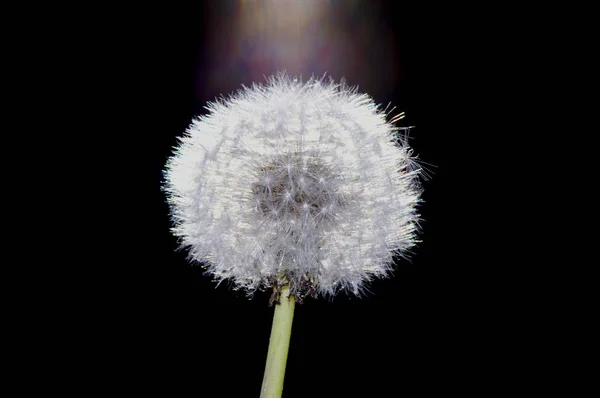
(292, 183)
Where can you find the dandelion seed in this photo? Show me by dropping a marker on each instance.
(294, 184)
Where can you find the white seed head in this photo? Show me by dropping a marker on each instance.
(292, 183)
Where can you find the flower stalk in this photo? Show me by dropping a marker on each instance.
(272, 386)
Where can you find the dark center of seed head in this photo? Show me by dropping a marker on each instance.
(292, 188)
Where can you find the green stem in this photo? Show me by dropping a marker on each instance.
(272, 385)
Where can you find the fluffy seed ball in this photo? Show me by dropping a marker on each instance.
(292, 183)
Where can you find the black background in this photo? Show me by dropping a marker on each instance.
(451, 320)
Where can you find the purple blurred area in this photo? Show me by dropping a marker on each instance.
(248, 40)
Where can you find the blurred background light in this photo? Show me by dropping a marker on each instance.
(247, 40)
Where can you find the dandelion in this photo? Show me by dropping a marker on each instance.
(299, 187)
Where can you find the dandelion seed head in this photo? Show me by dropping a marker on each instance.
(294, 183)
